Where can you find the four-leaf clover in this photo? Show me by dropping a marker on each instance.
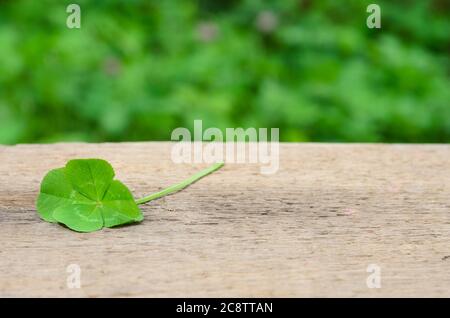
(85, 196)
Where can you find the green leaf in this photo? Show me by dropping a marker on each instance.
(85, 197)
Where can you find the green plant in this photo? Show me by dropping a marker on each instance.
(85, 196)
(136, 70)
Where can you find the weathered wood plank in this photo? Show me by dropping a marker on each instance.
(309, 230)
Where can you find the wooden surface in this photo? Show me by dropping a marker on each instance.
(311, 229)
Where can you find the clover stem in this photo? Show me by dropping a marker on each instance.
(181, 185)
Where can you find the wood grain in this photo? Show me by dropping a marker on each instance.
(311, 229)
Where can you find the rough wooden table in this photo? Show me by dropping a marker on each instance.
(312, 229)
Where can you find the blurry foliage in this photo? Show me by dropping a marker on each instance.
(138, 69)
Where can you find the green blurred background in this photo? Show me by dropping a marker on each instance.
(138, 69)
